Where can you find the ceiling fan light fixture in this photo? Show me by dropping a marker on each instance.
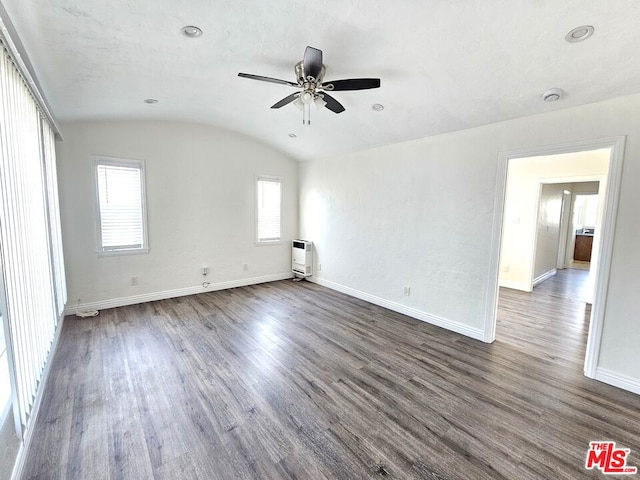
(579, 34)
(191, 31)
(312, 88)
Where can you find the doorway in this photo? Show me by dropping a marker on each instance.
(584, 218)
(505, 219)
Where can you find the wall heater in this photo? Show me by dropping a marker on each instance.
(302, 258)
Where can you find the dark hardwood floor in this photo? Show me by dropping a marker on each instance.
(292, 380)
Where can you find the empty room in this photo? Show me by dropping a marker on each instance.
(297, 240)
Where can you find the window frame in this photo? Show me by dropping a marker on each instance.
(127, 163)
(267, 178)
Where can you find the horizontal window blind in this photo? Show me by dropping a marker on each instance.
(30, 256)
(120, 198)
(268, 209)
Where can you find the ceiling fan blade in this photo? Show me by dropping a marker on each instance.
(352, 84)
(267, 79)
(286, 100)
(332, 104)
(312, 62)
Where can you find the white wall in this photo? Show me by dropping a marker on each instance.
(548, 229)
(200, 184)
(521, 204)
(420, 214)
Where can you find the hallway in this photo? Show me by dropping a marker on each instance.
(552, 322)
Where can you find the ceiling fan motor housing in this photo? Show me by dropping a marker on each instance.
(304, 79)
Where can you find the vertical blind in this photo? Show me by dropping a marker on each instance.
(268, 209)
(53, 205)
(121, 205)
(30, 240)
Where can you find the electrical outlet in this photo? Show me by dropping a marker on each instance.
(319, 267)
(407, 291)
(134, 280)
(245, 267)
(505, 269)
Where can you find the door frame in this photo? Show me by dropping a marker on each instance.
(565, 220)
(605, 249)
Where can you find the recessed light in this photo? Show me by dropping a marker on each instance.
(579, 34)
(552, 94)
(191, 31)
(377, 107)
(292, 135)
(151, 100)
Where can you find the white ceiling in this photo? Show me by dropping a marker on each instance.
(444, 65)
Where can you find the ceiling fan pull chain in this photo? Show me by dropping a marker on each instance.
(306, 114)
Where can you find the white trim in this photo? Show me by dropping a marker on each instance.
(565, 220)
(491, 298)
(130, 251)
(452, 325)
(605, 250)
(178, 292)
(619, 380)
(605, 253)
(544, 276)
(27, 435)
(514, 285)
(573, 147)
(534, 241)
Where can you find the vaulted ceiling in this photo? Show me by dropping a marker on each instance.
(444, 65)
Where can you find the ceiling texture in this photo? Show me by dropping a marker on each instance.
(444, 65)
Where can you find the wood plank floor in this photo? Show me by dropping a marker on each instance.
(292, 380)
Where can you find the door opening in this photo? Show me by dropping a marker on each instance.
(517, 235)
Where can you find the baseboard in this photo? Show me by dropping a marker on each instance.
(454, 326)
(514, 285)
(178, 292)
(544, 276)
(624, 382)
(27, 437)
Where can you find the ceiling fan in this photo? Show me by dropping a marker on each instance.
(310, 79)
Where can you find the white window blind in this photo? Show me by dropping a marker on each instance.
(31, 254)
(51, 181)
(121, 205)
(269, 197)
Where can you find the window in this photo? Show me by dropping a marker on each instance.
(122, 218)
(269, 195)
